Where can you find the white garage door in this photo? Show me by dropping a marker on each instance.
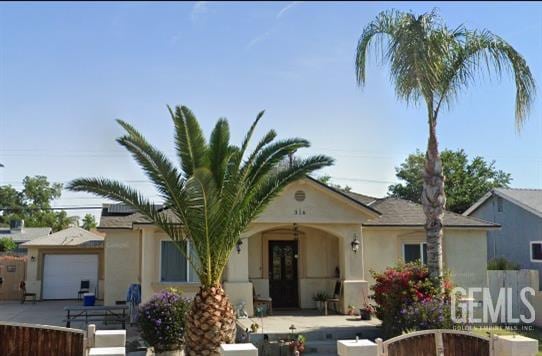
(62, 275)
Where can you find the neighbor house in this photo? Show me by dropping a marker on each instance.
(519, 212)
(58, 263)
(21, 234)
(308, 238)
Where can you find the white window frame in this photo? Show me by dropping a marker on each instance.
(188, 266)
(531, 251)
(421, 250)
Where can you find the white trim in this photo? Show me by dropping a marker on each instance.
(531, 251)
(421, 249)
(188, 267)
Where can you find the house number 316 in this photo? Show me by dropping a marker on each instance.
(299, 212)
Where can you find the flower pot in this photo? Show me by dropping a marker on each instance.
(365, 314)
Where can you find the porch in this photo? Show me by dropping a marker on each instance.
(290, 263)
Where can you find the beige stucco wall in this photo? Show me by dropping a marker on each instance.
(464, 252)
(34, 269)
(122, 263)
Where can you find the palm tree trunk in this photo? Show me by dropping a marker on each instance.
(433, 201)
(211, 322)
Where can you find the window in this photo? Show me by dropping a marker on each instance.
(536, 251)
(415, 252)
(499, 204)
(174, 267)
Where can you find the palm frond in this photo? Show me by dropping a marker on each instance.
(213, 197)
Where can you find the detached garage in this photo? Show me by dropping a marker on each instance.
(59, 262)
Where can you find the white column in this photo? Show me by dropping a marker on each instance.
(515, 345)
(236, 282)
(355, 287)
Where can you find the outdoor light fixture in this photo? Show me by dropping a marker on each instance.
(292, 329)
(33, 259)
(239, 244)
(355, 243)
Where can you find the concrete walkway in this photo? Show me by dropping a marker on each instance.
(306, 321)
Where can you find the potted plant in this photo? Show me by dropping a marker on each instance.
(366, 311)
(298, 345)
(351, 310)
(320, 298)
(254, 327)
(161, 322)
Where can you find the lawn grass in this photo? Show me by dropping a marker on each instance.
(535, 333)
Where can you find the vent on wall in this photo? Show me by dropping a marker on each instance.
(299, 195)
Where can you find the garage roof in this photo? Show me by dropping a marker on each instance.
(70, 237)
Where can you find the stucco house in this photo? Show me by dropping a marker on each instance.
(303, 243)
(519, 212)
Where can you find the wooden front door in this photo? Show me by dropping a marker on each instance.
(283, 274)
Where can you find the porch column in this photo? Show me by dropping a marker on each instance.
(149, 257)
(236, 282)
(355, 287)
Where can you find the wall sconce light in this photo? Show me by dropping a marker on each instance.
(33, 259)
(238, 246)
(355, 243)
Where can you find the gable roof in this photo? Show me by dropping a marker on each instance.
(72, 236)
(26, 234)
(528, 199)
(386, 212)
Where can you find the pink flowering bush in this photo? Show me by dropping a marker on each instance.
(161, 320)
(399, 288)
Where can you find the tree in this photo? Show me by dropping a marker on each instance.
(89, 222)
(7, 244)
(33, 204)
(430, 64)
(466, 180)
(326, 179)
(211, 196)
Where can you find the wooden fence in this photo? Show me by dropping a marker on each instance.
(515, 281)
(12, 272)
(436, 342)
(40, 340)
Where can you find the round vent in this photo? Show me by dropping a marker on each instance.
(299, 195)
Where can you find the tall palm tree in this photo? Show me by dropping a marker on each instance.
(210, 197)
(431, 64)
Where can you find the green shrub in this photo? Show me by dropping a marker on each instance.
(7, 244)
(502, 264)
(161, 320)
(398, 288)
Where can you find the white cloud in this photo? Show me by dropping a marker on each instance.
(260, 38)
(199, 8)
(287, 7)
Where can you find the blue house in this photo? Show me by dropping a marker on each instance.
(519, 212)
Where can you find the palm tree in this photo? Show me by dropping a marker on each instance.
(210, 199)
(431, 64)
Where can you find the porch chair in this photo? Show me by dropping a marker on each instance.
(335, 300)
(24, 294)
(83, 288)
(257, 300)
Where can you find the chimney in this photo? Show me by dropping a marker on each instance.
(16, 225)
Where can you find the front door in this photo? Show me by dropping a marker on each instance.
(283, 274)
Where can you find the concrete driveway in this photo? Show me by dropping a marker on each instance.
(46, 313)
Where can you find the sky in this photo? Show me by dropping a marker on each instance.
(68, 70)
